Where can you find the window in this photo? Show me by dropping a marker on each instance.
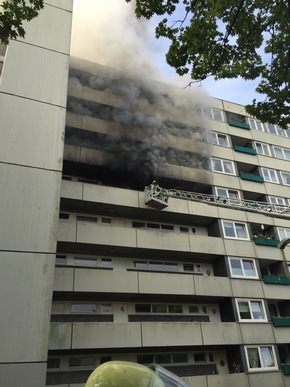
(106, 262)
(82, 362)
(262, 149)
(249, 310)
(106, 220)
(193, 309)
(274, 129)
(138, 225)
(145, 359)
(285, 178)
(63, 215)
(179, 358)
(261, 357)
(83, 308)
(155, 265)
(281, 153)
(235, 230)
(106, 308)
(227, 193)
(218, 139)
(199, 357)
(270, 175)
(158, 308)
(277, 200)
(53, 362)
(241, 267)
(79, 261)
(213, 114)
(255, 124)
(283, 233)
(223, 166)
(86, 219)
(60, 260)
(143, 308)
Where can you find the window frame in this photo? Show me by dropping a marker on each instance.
(250, 307)
(273, 200)
(262, 367)
(284, 173)
(254, 124)
(283, 151)
(269, 170)
(223, 221)
(284, 230)
(217, 135)
(222, 161)
(263, 147)
(255, 276)
(227, 192)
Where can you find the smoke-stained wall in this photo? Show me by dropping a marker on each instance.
(148, 124)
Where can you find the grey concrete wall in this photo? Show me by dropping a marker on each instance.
(33, 88)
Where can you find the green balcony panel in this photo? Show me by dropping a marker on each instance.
(244, 149)
(266, 242)
(281, 321)
(238, 124)
(251, 177)
(286, 369)
(275, 279)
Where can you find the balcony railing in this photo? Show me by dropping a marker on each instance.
(251, 177)
(281, 322)
(275, 279)
(245, 149)
(266, 242)
(239, 124)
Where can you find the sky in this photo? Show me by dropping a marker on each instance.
(107, 32)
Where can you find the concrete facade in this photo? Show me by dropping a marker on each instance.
(33, 86)
(92, 273)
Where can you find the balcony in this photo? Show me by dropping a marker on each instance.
(266, 242)
(251, 177)
(244, 149)
(238, 124)
(275, 279)
(281, 322)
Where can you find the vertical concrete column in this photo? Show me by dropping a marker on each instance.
(33, 88)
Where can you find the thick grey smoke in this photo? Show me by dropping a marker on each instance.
(154, 124)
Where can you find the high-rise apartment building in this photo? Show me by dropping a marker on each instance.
(195, 280)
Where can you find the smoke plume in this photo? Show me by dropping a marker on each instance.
(152, 124)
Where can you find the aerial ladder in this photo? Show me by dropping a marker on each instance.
(157, 197)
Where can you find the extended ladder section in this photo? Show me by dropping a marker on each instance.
(157, 197)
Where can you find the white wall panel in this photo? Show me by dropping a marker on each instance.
(32, 134)
(26, 280)
(29, 205)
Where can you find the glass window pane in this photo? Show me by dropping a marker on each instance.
(199, 357)
(244, 310)
(222, 139)
(170, 266)
(175, 308)
(233, 194)
(159, 308)
(228, 167)
(156, 265)
(278, 152)
(249, 268)
(217, 165)
(179, 358)
(78, 261)
(83, 308)
(236, 267)
(193, 309)
(145, 359)
(82, 362)
(267, 357)
(254, 360)
(257, 310)
(241, 231)
(141, 264)
(221, 192)
(217, 115)
(212, 138)
(142, 308)
(229, 229)
(163, 358)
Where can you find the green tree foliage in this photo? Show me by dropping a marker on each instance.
(12, 15)
(227, 39)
